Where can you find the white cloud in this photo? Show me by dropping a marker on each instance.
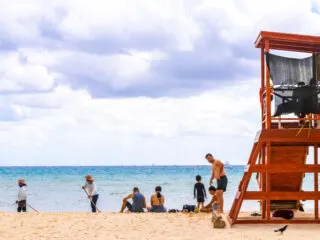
(242, 20)
(118, 70)
(60, 97)
(68, 126)
(20, 19)
(178, 20)
(17, 74)
(90, 20)
(316, 6)
(118, 126)
(97, 18)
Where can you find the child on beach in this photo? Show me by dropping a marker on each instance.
(199, 192)
(214, 204)
(22, 196)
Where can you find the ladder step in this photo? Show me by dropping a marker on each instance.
(243, 185)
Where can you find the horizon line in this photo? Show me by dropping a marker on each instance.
(152, 165)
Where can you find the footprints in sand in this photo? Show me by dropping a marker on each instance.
(106, 226)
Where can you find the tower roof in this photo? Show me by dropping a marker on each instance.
(288, 42)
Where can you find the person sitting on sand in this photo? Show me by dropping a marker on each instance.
(157, 201)
(91, 188)
(22, 196)
(213, 205)
(139, 202)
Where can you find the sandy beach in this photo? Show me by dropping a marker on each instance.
(33, 226)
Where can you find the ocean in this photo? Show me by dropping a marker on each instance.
(58, 189)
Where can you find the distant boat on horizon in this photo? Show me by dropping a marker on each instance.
(227, 164)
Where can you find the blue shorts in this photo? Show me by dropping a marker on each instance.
(158, 209)
(132, 208)
(215, 206)
(200, 199)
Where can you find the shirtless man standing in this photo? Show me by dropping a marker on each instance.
(219, 174)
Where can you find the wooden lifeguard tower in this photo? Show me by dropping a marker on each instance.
(280, 148)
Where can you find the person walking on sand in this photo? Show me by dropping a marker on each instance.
(91, 188)
(139, 202)
(219, 174)
(199, 192)
(22, 196)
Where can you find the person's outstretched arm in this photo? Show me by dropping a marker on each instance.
(85, 186)
(210, 203)
(124, 202)
(212, 176)
(204, 191)
(128, 197)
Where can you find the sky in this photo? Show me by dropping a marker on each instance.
(135, 82)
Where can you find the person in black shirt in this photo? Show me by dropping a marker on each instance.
(199, 192)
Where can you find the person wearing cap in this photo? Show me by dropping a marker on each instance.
(139, 202)
(91, 188)
(22, 196)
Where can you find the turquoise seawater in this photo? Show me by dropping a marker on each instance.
(55, 189)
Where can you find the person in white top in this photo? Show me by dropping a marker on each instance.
(22, 196)
(91, 188)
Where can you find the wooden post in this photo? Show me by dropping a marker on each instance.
(316, 189)
(262, 87)
(268, 92)
(268, 188)
(263, 178)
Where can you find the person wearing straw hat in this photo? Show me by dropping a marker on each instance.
(91, 188)
(22, 196)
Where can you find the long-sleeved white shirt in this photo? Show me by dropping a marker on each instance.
(91, 188)
(22, 195)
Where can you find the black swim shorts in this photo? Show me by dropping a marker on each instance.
(222, 183)
(200, 199)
